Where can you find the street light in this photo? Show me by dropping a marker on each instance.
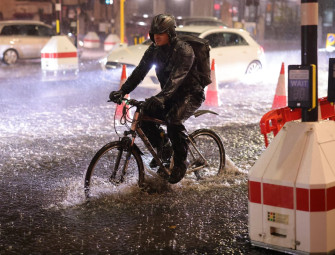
(107, 2)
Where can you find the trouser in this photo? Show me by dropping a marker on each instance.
(174, 114)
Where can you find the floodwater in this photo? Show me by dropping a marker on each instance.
(50, 129)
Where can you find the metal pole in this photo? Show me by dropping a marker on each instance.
(58, 16)
(309, 47)
(122, 21)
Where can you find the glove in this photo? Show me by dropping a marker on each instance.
(116, 96)
(153, 103)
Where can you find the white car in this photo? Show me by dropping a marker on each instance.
(21, 39)
(234, 51)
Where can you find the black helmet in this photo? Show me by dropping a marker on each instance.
(162, 23)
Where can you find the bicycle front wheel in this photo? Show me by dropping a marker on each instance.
(206, 154)
(112, 165)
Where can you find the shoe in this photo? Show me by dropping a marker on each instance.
(178, 173)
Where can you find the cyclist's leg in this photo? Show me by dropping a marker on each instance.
(180, 111)
(178, 136)
(154, 134)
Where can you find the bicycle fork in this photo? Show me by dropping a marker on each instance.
(125, 146)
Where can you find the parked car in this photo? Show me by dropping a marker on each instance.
(21, 39)
(235, 52)
(139, 25)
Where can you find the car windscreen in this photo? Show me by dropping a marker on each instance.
(45, 31)
(203, 23)
(148, 42)
(187, 33)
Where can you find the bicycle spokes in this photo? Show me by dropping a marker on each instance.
(197, 160)
(206, 154)
(112, 165)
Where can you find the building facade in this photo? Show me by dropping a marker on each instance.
(264, 19)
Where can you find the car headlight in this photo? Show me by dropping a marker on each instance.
(103, 61)
(112, 65)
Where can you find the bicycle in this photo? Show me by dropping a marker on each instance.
(121, 161)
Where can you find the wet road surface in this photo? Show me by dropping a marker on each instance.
(49, 132)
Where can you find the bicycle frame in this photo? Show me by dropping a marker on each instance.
(135, 129)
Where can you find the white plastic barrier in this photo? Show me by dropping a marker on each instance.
(292, 190)
(59, 54)
(91, 40)
(111, 42)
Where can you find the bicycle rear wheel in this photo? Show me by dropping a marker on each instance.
(207, 158)
(107, 169)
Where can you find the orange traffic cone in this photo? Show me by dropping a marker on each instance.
(279, 99)
(212, 97)
(118, 110)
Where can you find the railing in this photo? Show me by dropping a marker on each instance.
(274, 120)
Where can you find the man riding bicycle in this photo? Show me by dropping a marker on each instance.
(180, 96)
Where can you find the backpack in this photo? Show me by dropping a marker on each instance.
(201, 51)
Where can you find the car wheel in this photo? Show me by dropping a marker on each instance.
(10, 57)
(254, 67)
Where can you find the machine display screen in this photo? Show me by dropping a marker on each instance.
(300, 86)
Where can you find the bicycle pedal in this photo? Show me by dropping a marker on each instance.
(114, 181)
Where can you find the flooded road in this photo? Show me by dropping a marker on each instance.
(49, 132)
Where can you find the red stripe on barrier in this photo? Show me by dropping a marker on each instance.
(318, 200)
(94, 41)
(110, 43)
(276, 195)
(302, 199)
(308, 200)
(255, 194)
(331, 198)
(59, 55)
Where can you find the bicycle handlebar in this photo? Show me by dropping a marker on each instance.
(132, 102)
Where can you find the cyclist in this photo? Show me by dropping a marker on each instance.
(180, 96)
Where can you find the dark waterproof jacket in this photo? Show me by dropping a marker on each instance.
(175, 70)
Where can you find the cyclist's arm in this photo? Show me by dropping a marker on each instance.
(184, 58)
(140, 71)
